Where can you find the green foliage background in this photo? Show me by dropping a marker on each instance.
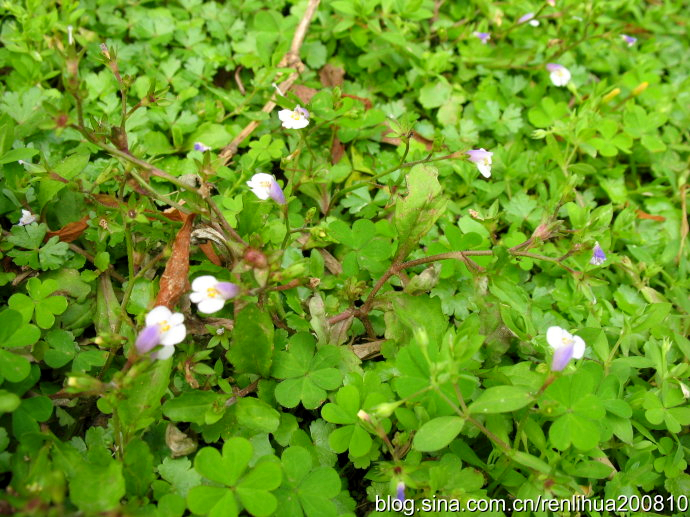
(259, 411)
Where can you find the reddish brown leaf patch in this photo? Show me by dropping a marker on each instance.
(651, 217)
(174, 282)
(337, 150)
(71, 231)
(210, 253)
(331, 75)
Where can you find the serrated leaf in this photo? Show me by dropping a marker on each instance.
(416, 213)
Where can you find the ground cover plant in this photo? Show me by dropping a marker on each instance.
(288, 258)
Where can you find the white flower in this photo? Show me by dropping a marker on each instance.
(70, 37)
(529, 17)
(265, 186)
(565, 345)
(482, 158)
(294, 119)
(201, 147)
(26, 218)
(163, 327)
(560, 75)
(210, 295)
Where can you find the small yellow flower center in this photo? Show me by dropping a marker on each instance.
(486, 162)
(296, 115)
(265, 184)
(164, 325)
(566, 341)
(212, 292)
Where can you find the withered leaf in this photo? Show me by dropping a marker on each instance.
(174, 282)
(71, 231)
(331, 75)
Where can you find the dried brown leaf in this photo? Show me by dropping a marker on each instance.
(71, 231)
(337, 150)
(174, 282)
(210, 253)
(331, 75)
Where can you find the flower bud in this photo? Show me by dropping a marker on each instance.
(363, 415)
(386, 409)
(611, 95)
(640, 88)
(255, 258)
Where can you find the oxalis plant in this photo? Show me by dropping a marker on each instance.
(283, 258)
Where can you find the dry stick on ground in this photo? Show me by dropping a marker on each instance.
(290, 60)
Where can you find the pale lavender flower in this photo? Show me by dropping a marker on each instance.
(598, 255)
(265, 186)
(629, 39)
(484, 37)
(199, 146)
(163, 327)
(560, 75)
(529, 17)
(294, 119)
(566, 347)
(400, 492)
(482, 159)
(210, 295)
(26, 218)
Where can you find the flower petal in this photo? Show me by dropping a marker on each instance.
(578, 347)
(276, 193)
(561, 357)
(158, 314)
(148, 338)
(174, 336)
(176, 319)
(227, 289)
(202, 283)
(197, 297)
(554, 337)
(163, 353)
(211, 305)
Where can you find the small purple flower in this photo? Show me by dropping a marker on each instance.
(294, 119)
(560, 75)
(400, 492)
(566, 347)
(210, 294)
(529, 17)
(484, 37)
(482, 159)
(265, 186)
(26, 218)
(199, 146)
(629, 39)
(598, 255)
(163, 327)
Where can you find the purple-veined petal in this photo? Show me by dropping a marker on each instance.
(276, 193)
(400, 492)
(148, 338)
(561, 357)
(227, 289)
